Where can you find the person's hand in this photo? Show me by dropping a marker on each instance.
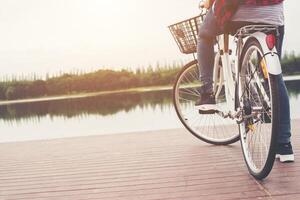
(205, 4)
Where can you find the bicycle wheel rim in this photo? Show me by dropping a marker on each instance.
(258, 139)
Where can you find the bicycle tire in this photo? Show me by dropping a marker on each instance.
(216, 136)
(262, 170)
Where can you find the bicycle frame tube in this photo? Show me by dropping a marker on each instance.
(229, 82)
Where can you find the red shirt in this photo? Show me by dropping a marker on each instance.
(261, 2)
(225, 9)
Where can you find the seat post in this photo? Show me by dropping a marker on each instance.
(226, 43)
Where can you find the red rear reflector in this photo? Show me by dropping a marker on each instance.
(271, 41)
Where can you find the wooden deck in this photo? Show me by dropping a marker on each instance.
(169, 164)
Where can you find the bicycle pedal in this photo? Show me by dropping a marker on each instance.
(207, 112)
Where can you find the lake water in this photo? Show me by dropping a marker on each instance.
(105, 114)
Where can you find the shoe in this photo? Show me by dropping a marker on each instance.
(285, 153)
(206, 104)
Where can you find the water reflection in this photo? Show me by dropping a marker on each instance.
(293, 88)
(106, 114)
(101, 105)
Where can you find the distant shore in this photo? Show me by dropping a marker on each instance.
(91, 94)
(103, 81)
(84, 95)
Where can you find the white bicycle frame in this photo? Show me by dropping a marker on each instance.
(226, 72)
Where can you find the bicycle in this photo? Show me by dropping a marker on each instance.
(245, 87)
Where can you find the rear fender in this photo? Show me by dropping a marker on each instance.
(271, 56)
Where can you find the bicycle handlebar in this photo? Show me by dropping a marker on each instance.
(202, 8)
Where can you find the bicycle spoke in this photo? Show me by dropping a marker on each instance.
(188, 92)
(256, 97)
(211, 127)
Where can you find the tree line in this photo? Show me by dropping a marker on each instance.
(290, 64)
(107, 80)
(101, 80)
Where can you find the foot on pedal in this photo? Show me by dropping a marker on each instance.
(206, 104)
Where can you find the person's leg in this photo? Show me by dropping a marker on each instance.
(205, 51)
(205, 48)
(285, 120)
(284, 148)
(206, 57)
(279, 41)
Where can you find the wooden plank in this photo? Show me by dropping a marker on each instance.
(169, 164)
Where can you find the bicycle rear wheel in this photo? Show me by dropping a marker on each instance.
(211, 128)
(259, 101)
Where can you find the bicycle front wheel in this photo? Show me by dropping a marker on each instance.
(259, 102)
(211, 128)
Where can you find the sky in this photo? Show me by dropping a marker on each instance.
(49, 36)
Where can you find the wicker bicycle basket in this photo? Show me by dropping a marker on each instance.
(185, 34)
